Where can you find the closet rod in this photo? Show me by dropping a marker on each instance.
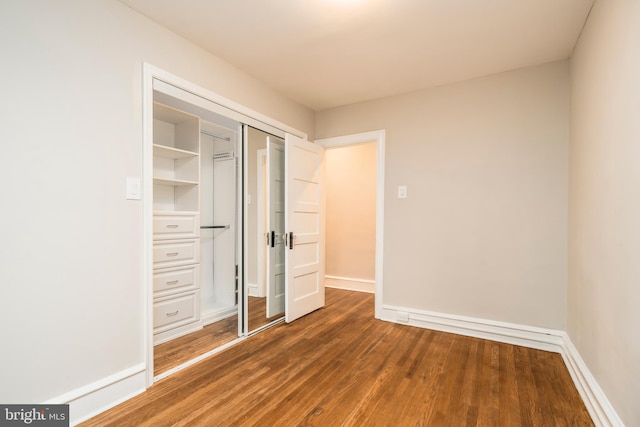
(224, 138)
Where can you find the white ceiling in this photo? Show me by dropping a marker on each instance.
(326, 53)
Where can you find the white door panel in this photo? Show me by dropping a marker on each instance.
(305, 227)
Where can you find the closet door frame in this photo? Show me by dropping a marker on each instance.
(207, 99)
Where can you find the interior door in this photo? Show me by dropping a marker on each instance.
(304, 222)
(275, 218)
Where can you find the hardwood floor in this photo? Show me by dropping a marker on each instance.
(180, 350)
(258, 313)
(339, 366)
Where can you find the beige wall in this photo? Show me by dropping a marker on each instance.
(604, 208)
(72, 298)
(351, 211)
(483, 232)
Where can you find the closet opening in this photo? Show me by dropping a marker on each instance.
(200, 221)
(214, 208)
(196, 236)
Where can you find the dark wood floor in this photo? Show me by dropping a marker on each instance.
(258, 313)
(173, 353)
(340, 367)
(180, 350)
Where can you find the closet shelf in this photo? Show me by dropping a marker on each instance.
(171, 152)
(173, 182)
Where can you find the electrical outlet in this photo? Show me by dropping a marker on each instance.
(402, 192)
(402, 316)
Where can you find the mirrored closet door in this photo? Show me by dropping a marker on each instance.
(265, 248)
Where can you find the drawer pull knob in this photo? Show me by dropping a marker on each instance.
(172, 225)
(172, 314)
(173, 254)
(173, 282)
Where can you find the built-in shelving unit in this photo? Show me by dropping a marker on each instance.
(176, 223)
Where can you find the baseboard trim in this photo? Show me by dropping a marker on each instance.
(599, 407)
(510, 333)
(557, 341)
(90, 400)
(253, 290)
(350, 284)
(218, 315)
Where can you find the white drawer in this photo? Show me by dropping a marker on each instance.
(175, 225)
(176, 279)
(178, 310)
(175, 253)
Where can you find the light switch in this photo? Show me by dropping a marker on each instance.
(402, 192)
(134, 189)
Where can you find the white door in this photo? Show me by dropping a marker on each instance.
(305, 227)
(275, 220)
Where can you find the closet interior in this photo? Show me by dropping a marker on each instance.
(205, 219)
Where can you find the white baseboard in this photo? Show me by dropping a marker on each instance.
(599, 407)
(172, 334)
(253, 290)
(510, 333)
(350, 284)
(92, 399)
(557, 341)
(218, 315)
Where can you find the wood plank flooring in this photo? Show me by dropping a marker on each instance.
(258, 313)
(339, 366)
(180, 350)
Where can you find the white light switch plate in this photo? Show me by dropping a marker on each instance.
(134, 189)
(402, 192)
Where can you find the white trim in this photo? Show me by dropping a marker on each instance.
(353, 139)
(243, 254)
(99, 396)
(360, 138)
(260, 291)
(207, 318)
(599, 407)
(253, 290)
(510, 333)
(197, 95)
(147, 218)
(350, 284)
